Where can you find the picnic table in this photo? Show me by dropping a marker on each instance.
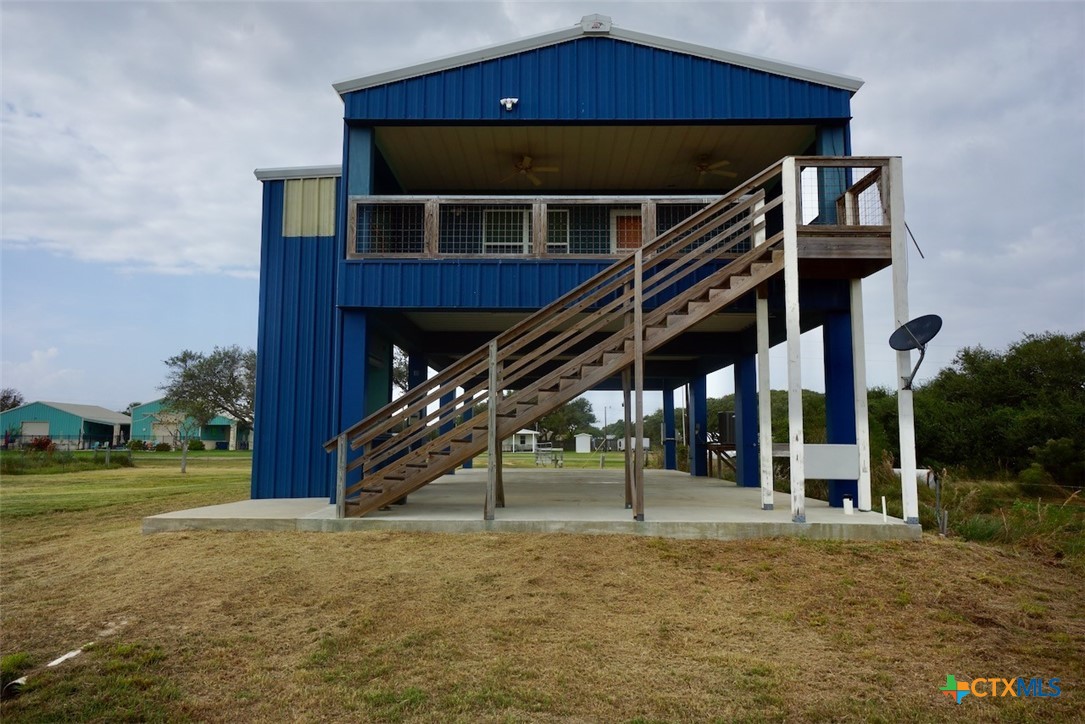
(550, 456)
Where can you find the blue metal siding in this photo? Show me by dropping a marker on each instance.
(599, 79)
(485, 284)
(294, 389)
(467, 284)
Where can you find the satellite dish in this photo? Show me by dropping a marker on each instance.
(915, 335)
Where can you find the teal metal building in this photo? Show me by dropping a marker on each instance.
(152, 423)
(70, 426)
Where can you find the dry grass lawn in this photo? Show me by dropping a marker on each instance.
(425, 627)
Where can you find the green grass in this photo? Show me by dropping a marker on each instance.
(29, 462)
(155, 477)
(12, 666)
(578, 461)
(114, 682)
(254, 626)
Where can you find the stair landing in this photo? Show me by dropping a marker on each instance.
(557, 501)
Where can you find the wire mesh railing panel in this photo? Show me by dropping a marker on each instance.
(722, 227)
(485, 229)
(842, 195)
(870, 201)
(389, 229)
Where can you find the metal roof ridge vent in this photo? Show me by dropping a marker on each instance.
(595, 24)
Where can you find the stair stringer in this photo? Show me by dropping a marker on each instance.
(421, 466)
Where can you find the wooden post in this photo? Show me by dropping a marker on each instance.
(647, 222)
(341, 475)
(538, 229)
(432, 227)
(790, 183)
(638, 383)
(493, 465)
(627, 411)
(862, 423)
(898, 241)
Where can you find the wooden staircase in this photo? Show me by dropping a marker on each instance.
(692, 271)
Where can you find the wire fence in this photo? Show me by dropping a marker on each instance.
(63, 442)
(510, 226)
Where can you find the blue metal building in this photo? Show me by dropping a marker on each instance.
(477, 189)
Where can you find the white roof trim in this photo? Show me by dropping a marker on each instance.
(278, 174)
(533, 42)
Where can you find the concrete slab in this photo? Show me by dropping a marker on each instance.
(557, 501)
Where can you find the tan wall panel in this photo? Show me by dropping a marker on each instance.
(309, 207)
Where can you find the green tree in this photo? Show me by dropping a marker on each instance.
(567, 420)
(204, 385)
(10, 398)
(399, 369)
(998, 412)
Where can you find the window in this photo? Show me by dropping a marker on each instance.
(557, 231)
(506, 231)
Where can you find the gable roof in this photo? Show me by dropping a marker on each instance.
(601, 26)
(92, 413)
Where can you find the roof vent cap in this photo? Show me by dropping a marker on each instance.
(596, 24)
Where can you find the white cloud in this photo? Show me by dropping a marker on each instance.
(42, 377)
(130, 130)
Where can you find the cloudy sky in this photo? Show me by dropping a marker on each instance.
(130, 216)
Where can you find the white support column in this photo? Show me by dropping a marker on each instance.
(764, 404)
(493, 441)
(858, 364)
(764, 389)
(905, 411)
(790, 184)
(627, 412)
(233, 436)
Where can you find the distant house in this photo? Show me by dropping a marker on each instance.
(153, 423)
(522, 441)
(70, 426)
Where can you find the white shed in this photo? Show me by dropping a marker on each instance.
(522, 441)
(583, 442)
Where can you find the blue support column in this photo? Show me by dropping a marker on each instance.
(748, 464)
(670, 445)
(469, 414)
(830, 141)
(839, 396)
(451, 423)
(416, 370)
(698, 419)
(352, 376)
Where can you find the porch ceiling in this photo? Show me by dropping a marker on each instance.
(656, 159)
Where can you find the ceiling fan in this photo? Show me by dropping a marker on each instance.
(705, 167)
(526, 167)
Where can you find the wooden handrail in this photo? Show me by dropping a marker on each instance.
(674, 254)
(478, 356)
